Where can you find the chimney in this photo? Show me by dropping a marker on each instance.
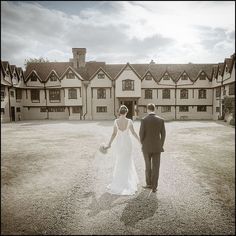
(79, 57)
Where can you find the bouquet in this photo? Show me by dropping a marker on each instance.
(103, 148)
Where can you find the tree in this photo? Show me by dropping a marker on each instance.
(229, 103)
(33, 60)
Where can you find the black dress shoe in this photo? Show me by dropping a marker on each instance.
(154, 190)
(147, 186)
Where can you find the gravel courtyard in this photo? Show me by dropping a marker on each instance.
(53, 181)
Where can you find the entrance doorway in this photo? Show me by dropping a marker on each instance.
(13, 115)
(129, 105)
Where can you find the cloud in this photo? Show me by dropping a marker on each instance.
(117, 32)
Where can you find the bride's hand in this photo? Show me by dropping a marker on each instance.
(107, 146)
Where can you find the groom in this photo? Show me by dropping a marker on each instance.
(152, 137)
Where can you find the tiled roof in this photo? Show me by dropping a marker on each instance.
(221, 68)
(229, 62)
(215, 70)
(157, 70)
(44, 68)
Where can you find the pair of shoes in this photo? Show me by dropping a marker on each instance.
(154, 190)
(147, 186)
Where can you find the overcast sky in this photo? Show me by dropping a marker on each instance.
(118, 32)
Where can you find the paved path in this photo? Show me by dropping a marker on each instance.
(54, 181)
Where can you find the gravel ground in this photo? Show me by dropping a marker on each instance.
(54, 180)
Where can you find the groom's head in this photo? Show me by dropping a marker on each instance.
(150, 107)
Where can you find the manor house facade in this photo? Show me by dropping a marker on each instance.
(80, 90)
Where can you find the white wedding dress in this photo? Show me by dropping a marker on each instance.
(125, 178)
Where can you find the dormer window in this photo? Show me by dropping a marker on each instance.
(101, 76)
(184, 77)
(202, 76)
(33, 77)
(53, 77)
(70, 75)
(166, 77)
(148, 77)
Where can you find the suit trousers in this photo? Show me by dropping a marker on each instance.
(152, 165)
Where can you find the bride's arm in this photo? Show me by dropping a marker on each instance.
(133, 131)
(112, 136)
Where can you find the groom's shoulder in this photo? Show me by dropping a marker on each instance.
(159, 118)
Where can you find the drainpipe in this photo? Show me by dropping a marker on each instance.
(113, 85)
(9, 101)
(45, 93)
(86, 83)
(175, 100)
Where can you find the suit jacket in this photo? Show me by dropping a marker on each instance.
(152, 133)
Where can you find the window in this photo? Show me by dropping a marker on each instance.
(54, 95)
(166, 77)
(76, 109)
(70, 75)
(145, 109)
(183, 94)
(34, 95)
(183, 108)
(101, 76)
(101, 109)
(202, 76)
(2, 111)
(56, 109)
(12, 93)
(72, 93)
(33, 77)
(218, 92)
(201, 108)
(148, 77)
(18, 109)
(184, 77)
(2, 93)
(231, 89)
(148, 94)
(101, 93)
(166, 93)
(201, 93)
(224, 92)
(43, 109)
(165, 109)
(127, 85)
(53, 77)
(18, 94)
(217, 109)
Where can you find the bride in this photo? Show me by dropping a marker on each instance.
(125, 178)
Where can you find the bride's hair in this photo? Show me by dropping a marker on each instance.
(123, 109)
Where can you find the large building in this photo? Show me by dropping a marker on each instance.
(94, 90)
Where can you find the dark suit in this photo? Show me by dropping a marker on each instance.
(152, 136)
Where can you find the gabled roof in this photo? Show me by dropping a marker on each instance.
(52, 72)
(202, 71)
(221, 68)
(131, 67)
(33, 72)
(215, 70)
(229, 62)
(70, 68)
(44, 68)
(100, 69)
(148, 72)
(184, 72)
(20, 71)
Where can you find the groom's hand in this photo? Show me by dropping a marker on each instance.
(162, 149)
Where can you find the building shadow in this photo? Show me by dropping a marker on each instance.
(142, 207)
